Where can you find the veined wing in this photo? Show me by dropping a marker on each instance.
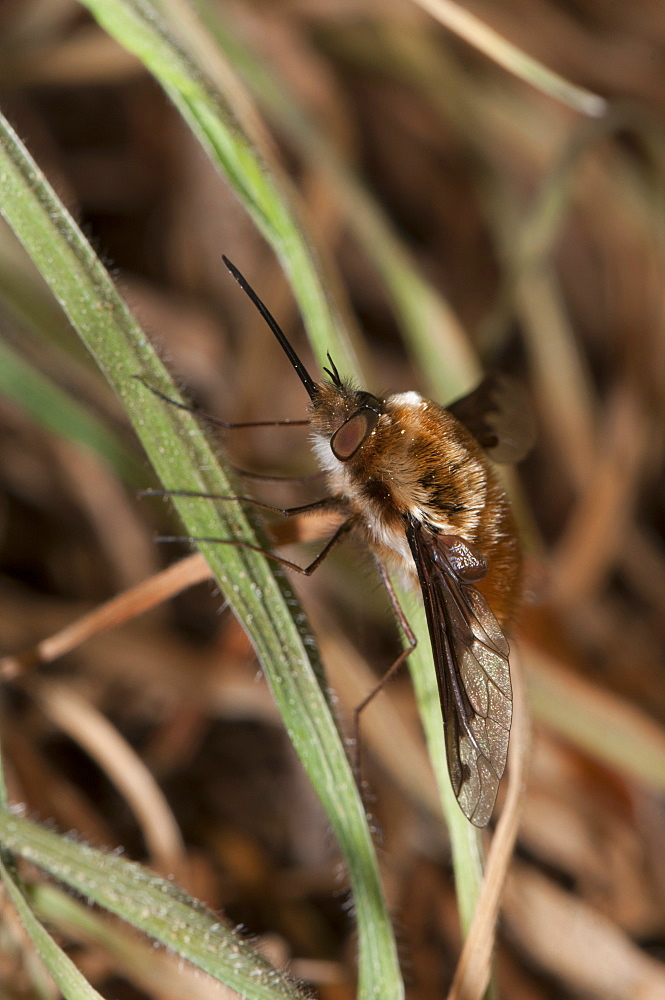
(472, 670)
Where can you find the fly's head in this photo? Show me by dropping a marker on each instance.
(344, 421)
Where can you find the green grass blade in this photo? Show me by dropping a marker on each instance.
(153, 904)
(26, 298)
(140, 28)
(465, 839)
(72, 983)
(55, 410)
(181, 454)
(133, 956)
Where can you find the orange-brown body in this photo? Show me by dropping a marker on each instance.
(420, 461)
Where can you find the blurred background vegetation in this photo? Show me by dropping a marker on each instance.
(537, 230)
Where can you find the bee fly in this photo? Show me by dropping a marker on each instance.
(414, 481)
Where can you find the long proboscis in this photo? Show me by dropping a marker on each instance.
(301, 371)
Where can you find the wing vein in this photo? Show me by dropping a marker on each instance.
(471, 662)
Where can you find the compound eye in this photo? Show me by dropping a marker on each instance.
(354, 432)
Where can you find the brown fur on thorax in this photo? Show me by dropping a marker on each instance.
(421, 462)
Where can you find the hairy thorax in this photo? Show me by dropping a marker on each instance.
(419, 462)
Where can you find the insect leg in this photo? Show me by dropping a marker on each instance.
(343, 529)
(326, 503)
(210, 419)
(392, 670)
(246, 474)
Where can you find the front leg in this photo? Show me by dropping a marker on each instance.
(326, 503)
